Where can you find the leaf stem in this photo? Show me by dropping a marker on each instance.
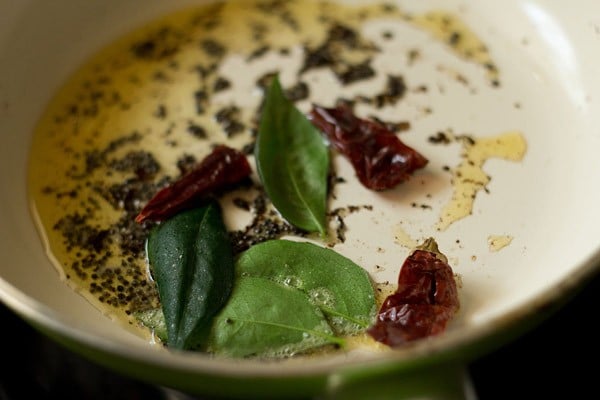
(358, 322)
(330, 338)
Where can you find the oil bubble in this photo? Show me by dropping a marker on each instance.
(291, 281)
(344, 326)
(322, 297)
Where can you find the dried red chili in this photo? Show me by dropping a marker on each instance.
(222, 168)
(426, 299)
(380, 159)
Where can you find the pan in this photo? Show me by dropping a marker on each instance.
(97, 97)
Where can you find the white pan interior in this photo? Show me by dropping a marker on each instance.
(548, 202)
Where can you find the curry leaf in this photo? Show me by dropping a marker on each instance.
(293, 162)
(154, 320)
(192, 263)
(339, 287)
(265, 319)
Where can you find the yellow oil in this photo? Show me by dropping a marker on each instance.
(138, 94)
(469, 177)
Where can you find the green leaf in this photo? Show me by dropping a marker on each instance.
(339, 287)
(293, 162)
(265, 319)
(192, 263)
(155, 321)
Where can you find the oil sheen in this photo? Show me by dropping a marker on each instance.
(143, 108)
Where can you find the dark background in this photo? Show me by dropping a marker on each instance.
(558, 359)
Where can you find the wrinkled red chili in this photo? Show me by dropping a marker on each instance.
(424, 303)
(380, 159)
(222, 168)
